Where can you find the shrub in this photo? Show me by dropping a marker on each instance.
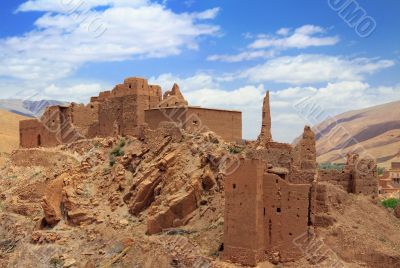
(381, 170)
(116, 152)
(235, 149)
(391, 202)
(56, 262)
(112, 161)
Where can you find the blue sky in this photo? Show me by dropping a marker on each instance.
(224, 54)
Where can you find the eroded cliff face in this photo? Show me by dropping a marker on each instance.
(158, 200)
(101, 196)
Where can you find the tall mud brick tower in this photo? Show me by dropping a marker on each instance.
(265, 135)
(270, 200)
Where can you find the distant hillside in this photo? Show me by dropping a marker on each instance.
(375, 130)
(9, 132)
(26, 107)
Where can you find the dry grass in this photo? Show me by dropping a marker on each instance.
(9, 131)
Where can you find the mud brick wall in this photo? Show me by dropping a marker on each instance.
(85, 118)
(119, 112)
(227, 124)
(263, 205)
(275, 154)
(286, 217)
(244, 214)
(154, 117)
(336, 177)
(365, 177)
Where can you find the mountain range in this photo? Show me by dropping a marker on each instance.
(374, 131)
(28, 108)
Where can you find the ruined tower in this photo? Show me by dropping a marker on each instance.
(265, 135)
(173, 98)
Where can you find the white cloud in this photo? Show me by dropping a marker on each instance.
(283, 31)
(298, 106)
(77, 93)
(69, 6)
(244, 56)
(291, 108)
(303, 37)
(306, 68)
(63, 40)
(192, 83)
(69, 91)
(207, 15)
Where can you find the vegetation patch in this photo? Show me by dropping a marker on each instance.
(235, 149)
(391, 203)
(117, 152)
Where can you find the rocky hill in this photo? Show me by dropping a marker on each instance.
(9, 132)
(155, 201)
(375, 130)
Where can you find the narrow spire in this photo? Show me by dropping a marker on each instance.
(265, 135)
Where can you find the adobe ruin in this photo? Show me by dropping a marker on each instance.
(360, 176)
(122, 111)
(273, 197)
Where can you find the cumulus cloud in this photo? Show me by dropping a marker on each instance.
(308, 68)
(243, 56)
(68, 91)
(267, 46)
(63, 39)
(291, 108)
(302, 37)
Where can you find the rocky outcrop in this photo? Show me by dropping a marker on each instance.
(176, 214)
(397, 211)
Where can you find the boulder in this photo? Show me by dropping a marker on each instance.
(51, 214)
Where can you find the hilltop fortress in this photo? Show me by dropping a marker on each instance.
(275, 199)
(122, 111)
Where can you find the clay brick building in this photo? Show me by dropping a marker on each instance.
(121, 111)
(390, 181)
(360, 176)
(269, 199)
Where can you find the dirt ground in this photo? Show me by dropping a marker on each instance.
(74, 206)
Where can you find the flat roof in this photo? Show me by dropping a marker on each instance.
(195, 107)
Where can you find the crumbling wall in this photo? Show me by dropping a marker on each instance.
(365, 177)
(121, 111)
(173, 98)
(360, 176)
(85, 118)
(305, 153)
(275, 154)
(286, 216)
(336, 177)
(244, 214)
(30, 132)
(260, 204)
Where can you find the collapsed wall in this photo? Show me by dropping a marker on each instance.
(360, 176)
